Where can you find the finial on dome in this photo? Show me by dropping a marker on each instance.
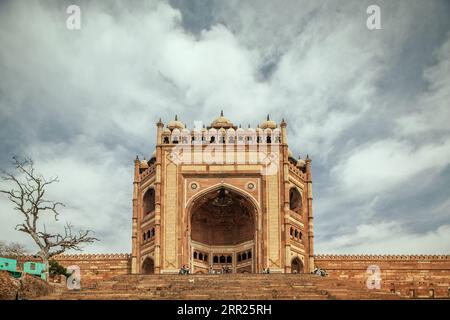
(176, 117)
(137, 157)
(249, 125)
(307, 157)
(240, 125)
(221, 113)
(268, 117)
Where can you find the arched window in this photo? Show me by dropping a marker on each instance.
(244, 256)
(295, 200)
(166, 140)
(213, 139)
(222, 259)
(249, 255)
(269, 139)
(205, 257)
(153, 232)
(295, 234)
(300, 235)
(291, 232)
(239, 257)
(149, 201)
(229, 259)
(148, 234)
(200, 256)
(195, 254)
(215, 259)
(145, 236)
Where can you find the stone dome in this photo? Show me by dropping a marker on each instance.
(175, 124)
(301, 163)
(221, 122)
(144, 164)
(268, 124)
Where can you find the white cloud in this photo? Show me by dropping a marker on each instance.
(388, 237)
(84, 103)
(384, 165)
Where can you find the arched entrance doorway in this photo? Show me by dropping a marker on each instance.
(148, 267)
(222, 232)
(296, 265)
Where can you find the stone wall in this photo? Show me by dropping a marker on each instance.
(417, 276)
(97, 267)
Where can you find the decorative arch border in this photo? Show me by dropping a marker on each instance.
(217, 186)
(257, 216)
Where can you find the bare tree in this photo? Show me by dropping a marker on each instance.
(12, 249)
(28, 197)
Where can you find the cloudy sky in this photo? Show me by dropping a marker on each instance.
(370, 107)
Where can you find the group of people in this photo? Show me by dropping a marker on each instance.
(223, 270)
(184, 270)
(319, 272)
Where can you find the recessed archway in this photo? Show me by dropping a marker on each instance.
(148, 266)
(224, 221)
(295, 200)
(296, 265)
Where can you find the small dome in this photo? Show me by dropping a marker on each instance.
(166, 130)
(301, 163)
(240, 130)
(221, 122)
(144, 164)
(212, 131)
(268, 124)
(154, 154)
(185, 131)
(176, 131)
(290, 154)
(231, 131)
(175, 124)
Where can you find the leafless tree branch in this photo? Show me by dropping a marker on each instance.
(27, 195)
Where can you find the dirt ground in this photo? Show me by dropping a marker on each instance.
(28, 287)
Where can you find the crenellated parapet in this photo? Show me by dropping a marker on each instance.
(379, 257)
(94, 256)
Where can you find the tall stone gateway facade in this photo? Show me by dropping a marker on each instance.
(222, 196)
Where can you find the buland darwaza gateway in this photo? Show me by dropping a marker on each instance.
(222, 196)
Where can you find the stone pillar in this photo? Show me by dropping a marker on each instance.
(310, 266)
(158, 196)
(285, 196)
(135, 268)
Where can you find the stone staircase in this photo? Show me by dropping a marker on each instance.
(222, 287)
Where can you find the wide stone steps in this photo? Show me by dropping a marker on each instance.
(227, 286)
